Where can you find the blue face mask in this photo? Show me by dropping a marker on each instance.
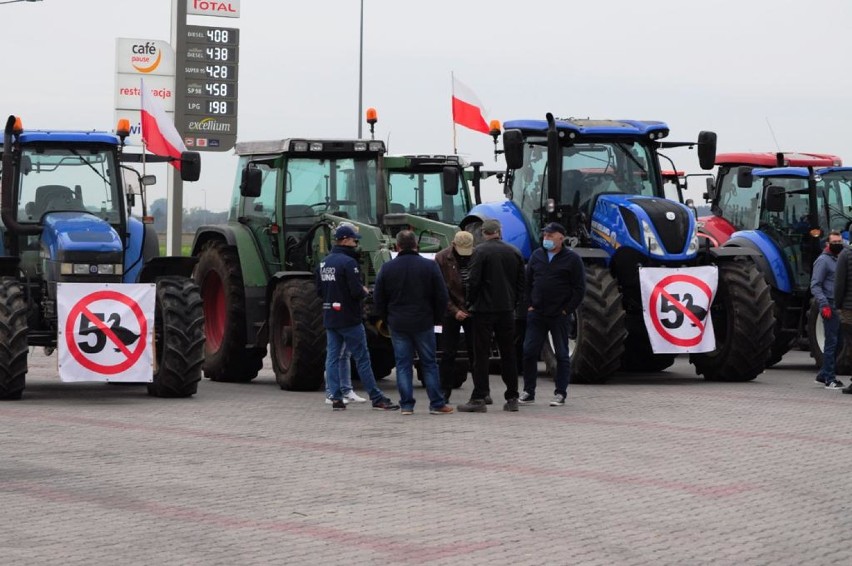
(548, 244)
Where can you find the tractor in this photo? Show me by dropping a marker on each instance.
(602, 180)
(256, 271)
(784, 214)
(66, 218)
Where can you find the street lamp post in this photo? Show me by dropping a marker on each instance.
(15, 1)
(361, 70)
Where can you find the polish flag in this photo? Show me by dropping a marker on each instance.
(467, 109)
(158, 130)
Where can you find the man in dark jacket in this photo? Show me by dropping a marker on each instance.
(340, 287)
(454, 262)
(495, 285)
(556, 284)
(411, 296)
(843, 300)
(822, 288)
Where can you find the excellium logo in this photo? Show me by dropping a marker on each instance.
(209, 125)
(146, 57)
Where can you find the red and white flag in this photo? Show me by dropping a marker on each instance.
(158, 130)
(467, 109)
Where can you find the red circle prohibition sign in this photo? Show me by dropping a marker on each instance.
(82, 309)
(659, 289)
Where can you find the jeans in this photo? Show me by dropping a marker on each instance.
(502, 324)
(536, 333)
(354, 339)
(450, 336)
(831, 326)
(404, 346)
(345, 373)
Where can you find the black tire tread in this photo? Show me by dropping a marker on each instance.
(601, 329)
(13, 339)
(307, 367)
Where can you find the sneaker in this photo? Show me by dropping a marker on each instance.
(511, 405)
(819, 379)
(526, 398)
(488, 400)
(354, 397)
(834, 385)
(338, 405)
(558, 401)
(385, 404)
(329, 401)
(445, 410)
(406, 412)
(473, 406)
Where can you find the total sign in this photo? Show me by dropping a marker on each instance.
(229, 9)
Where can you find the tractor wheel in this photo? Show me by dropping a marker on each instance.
(816, 342)
(178, 338)
(13, 339)
(783, 340)
(226, 357)
(743, 323)
(638, 356)
(597, 351)
(297, 336)
(382, 360)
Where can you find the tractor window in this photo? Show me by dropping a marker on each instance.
(344, 187)
(422, 194)
(528, 189)
(68, 179)
(739, 205)
(836, 189)
(263, 206)
(793, 220)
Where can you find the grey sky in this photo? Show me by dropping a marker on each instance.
(722, 65)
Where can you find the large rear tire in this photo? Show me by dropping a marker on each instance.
(178, 338)
(596, 353)
(743, 324)
(220, 278)
(13, 339)
(297, 336)
(784, 340)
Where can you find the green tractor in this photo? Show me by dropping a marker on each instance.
(256, 271)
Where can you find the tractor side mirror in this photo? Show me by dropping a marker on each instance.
(775, 199)
(745, 178)
(513, 148)
(250, 182)
(148, 180)
(710, 192)
(450, 179)
(190, 166)
(707, 150)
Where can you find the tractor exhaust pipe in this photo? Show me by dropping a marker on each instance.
(7, 182)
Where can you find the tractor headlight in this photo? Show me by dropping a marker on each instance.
(376, 146)
(651, 240)
(315, 146)
(360, 146)
(693, 244)
(91, 269)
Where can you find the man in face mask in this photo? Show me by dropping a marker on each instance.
(822, 288)
(555, 286)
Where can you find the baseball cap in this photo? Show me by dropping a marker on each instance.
(464, 243)
(346, 231)
(554, 227)
(491, 226)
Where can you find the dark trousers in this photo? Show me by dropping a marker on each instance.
(536, 333)
(502, 326)
(450, 338)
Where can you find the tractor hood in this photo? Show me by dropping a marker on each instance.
(659, 228)
(80, 237)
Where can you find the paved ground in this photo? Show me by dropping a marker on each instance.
(660, 469)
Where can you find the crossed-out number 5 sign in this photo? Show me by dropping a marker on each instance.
(106, 331)
(676, 304)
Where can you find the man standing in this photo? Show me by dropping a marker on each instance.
(340, 287)
(822, 288)
(556, 284)
(454, 262)
(843, 300)
(495, 285)
(411, 296)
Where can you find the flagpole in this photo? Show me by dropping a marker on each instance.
(452, 117)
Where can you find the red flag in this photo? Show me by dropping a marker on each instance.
(158, 130)
(467, 109)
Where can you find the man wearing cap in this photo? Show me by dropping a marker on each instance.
(555, 286)
(340, 287)
(454, 262)
(495, 285)
(411, 295)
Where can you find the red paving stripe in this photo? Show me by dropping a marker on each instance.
(401, 551)
(836, 401)
(697, 489)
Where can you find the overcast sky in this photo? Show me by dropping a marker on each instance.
(744, 69)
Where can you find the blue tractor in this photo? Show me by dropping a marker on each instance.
(608, 191)
(66, 218)
(789, 212)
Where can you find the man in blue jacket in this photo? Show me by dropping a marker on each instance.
(822, 288)
(412, 297)
(340, 287)
(556, 284)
